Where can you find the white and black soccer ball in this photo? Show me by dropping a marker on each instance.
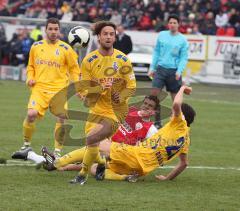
(79, 37)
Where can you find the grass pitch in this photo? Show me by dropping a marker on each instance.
(215, 144)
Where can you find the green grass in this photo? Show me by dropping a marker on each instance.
(215, 142)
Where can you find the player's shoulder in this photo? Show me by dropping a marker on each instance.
(64, 45)
(182, 36)
(163, 33)
(177, 119)
(132, 109)
(120, 55)
(89, 58)
(38, 43)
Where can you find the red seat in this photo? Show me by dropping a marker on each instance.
(220, 31)
(230, 32)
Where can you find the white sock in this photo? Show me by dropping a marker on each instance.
(35, 157)
(26, 143)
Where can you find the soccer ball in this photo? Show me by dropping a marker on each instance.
(79, 37)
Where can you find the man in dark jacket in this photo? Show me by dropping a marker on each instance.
(123, 41)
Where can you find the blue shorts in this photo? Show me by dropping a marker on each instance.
(166, 77)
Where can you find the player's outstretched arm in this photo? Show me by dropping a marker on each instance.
(71, 167)
(183, 163)
(176, 107)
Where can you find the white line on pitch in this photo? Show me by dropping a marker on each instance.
(205, 167)
(27, 163)
(19, 161)
(17, 164)
(214, 101)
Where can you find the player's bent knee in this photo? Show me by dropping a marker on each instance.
(32, 115)
(60, 119)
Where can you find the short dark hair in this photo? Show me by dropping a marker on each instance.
(53, 21)
(98, 26)
(173, 16)
(153, 98)
(189, 113)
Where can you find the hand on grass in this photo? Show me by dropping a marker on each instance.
(161, 177)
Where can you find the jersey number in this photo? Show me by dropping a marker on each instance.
(172, 150)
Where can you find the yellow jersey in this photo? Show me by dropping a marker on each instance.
(165, 145)
(116, 70)
(52, 65)
(170, 140)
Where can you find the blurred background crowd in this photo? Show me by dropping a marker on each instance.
(207, 17)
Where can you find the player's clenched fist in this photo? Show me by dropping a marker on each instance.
(31, 83)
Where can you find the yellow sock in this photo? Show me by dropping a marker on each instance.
(59, 134)
(110, 175)
(72, 157)
(90, 156)
(28, 130)
(100, 159)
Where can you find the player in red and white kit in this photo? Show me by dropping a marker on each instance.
(137, 125)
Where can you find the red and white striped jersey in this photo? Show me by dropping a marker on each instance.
(134, 129)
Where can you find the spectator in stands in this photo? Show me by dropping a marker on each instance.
(153, 10)
(5, 12)
(101, 15)
(113, 4)
(43, 14)
(237, 27)
(190, 26)
(131, 12)
(234, 17)
(183, 26)
(80, 14)
(93, 14)
(26, 46)
(195, 30)
(67, 16)
(30, 13)
(200, 21)
(159, 24)
(116, 18)
(59, 14)
(172, 6)
(35, 33)
(65, 7)
(138, 11)
(52, 12)
(124, 4)
(15, 49)
(3, 43)
(210, 27)
(108, 13)
(131, 20)
(221, 19)
(124, 18)
(163, 11)
(145, 22)
(182, 11)
(123, 41)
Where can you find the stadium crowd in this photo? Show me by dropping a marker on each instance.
(209, 17)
